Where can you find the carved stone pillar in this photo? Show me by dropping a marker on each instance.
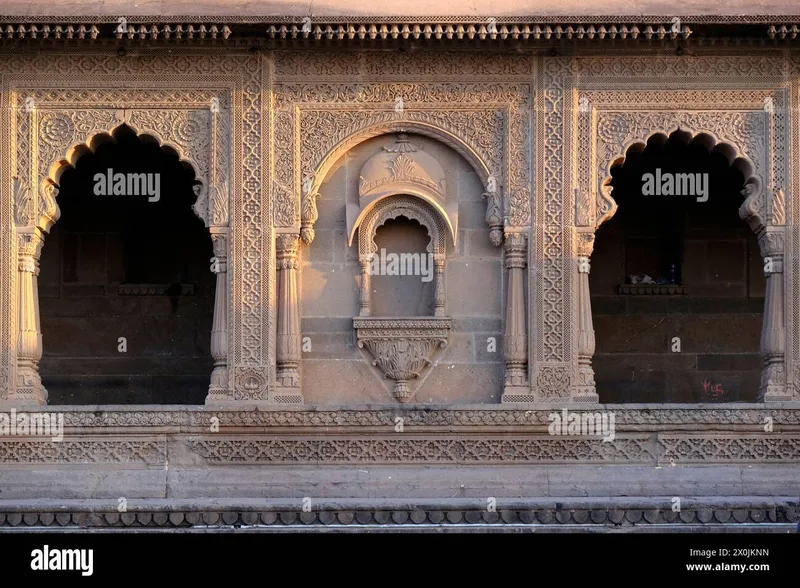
(585, 390)
(288, 342)
(364, 298)
(773, 328)
(439, 295)
(218, 389)
(515, 345)
(29, 343)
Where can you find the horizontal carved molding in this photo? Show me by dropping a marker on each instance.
(405, 449)
(18, 450)
(192, 419)
(413, 447)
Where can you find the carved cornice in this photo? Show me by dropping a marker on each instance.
(595, 513)
(366, 28)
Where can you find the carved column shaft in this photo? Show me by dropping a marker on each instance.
(218, 389)
(364, 299)
(773, 329)
(585, 390)
(29, 342)
(439, 295)
(515, 346)
(288, 340)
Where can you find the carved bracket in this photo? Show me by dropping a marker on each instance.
(402, 347)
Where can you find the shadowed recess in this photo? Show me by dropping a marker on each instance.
(126, 295)
(693, 334)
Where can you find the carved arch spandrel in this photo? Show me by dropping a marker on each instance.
(618, 132)
(64, 135)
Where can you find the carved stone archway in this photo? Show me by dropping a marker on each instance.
(319, 114)
(56, 138)
(747, 154)
(313, 180)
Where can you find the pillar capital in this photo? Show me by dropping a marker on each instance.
(516, 246)
(584, 244)
(287, 245)
(771, 243)
(29, 244)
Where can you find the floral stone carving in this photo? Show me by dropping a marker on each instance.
(402, 347)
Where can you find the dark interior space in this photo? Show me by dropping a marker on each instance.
(132, 265)
(708, 289)
(402, 295)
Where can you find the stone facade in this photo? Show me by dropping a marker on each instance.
(482, 131)
(497, 166)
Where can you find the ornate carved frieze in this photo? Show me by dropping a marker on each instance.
(652, 417)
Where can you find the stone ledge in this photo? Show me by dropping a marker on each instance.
(621, 514)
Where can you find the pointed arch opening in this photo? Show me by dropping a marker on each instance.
(125, 294)
(677, 282)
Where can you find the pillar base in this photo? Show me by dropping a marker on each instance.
(30, 390)
(285, 396)
(517, 395)
(218, 396)
(585, 396)
(775, 393)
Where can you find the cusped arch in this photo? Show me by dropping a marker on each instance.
(49, 211)
(751, 209)
(441, 214)
(410, 207)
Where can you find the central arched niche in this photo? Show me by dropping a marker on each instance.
(446, 188)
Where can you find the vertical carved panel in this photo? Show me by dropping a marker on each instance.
(550, 297)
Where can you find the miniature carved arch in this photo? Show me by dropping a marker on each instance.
(752, 209)
(411, 207)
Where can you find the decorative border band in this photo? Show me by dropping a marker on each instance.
(628, 417)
